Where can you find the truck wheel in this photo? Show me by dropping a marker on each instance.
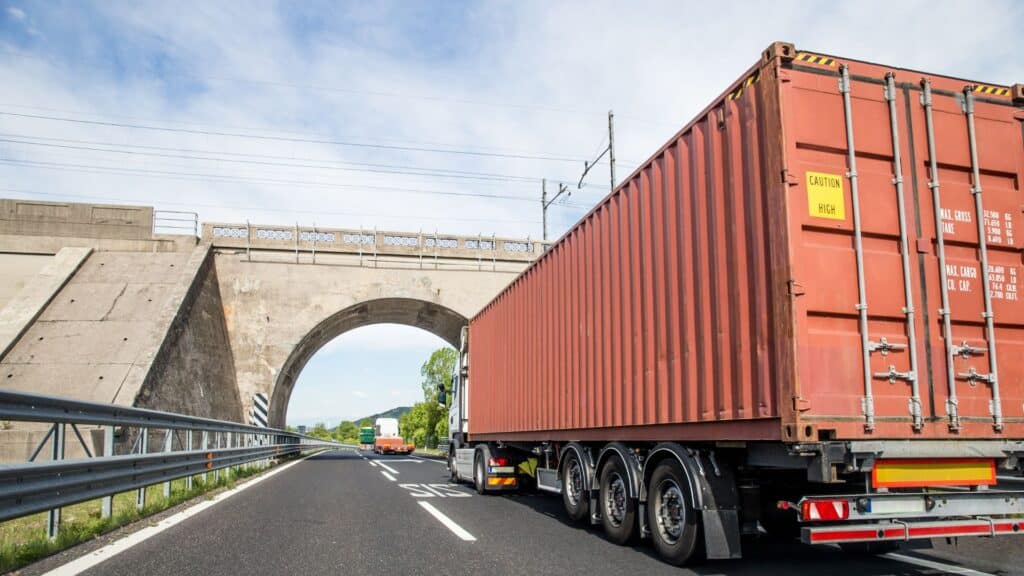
(480, 474)
(452, 474)
(675, 529)
(574, 488)
(618, 509)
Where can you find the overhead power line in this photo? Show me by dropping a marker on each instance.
(370, 167)
(269, 210)
(294, 139)
(201, 177)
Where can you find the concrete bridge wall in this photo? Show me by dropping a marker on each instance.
(103, 309)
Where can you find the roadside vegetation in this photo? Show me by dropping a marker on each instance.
(23, 540)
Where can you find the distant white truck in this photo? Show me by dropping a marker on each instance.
(386, 428)
(387, 440)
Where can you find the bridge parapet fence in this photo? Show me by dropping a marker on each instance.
(371, 243)
(176, 222)
(155, 448)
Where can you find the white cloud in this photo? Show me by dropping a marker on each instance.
(360, 394)
(525, 77)
(16, 13)
(396, 393)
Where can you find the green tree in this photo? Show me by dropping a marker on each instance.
(437, 371)
(427, 421)
(320, 431)
(346, 431)
(365, 423)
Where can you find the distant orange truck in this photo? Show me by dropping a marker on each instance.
(395, 445)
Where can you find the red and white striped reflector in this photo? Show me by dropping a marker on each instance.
(824, 510)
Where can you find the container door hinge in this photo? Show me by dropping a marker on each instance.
(973, 376)
(795, 288)
(892, 375)
(801, 404)
(965, 350)
(789, 178)
(884, 346)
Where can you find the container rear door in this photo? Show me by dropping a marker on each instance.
(872, 348)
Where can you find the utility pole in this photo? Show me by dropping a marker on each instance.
(609, 150)
(544, 202)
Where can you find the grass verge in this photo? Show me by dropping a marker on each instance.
(23, 540)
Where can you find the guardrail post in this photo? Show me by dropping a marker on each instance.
(57, 453)
(168, 446)
(107, 508)
(205, 442)
(188, 441)
(216, 473)
(140, 495)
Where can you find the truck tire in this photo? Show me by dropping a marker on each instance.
(671, 515)
(575, 496)
(480, 473)
(453, 475)
(618, 508)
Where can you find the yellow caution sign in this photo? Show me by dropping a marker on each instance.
(825, 198)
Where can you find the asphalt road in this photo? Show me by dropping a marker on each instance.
(350, 513)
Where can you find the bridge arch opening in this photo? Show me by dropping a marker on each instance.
(432, 317)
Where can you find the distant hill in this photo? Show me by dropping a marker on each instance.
(396, 412)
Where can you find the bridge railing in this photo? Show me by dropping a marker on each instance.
(156, 448)
(175, 222)
(371, 243)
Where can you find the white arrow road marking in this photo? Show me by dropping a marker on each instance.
(448, 522)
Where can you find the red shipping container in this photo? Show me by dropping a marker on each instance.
(715, 295)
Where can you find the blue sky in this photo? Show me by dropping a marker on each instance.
(505, 78)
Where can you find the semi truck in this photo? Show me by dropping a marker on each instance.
(800, 316)
(387, 440)
(366, 438)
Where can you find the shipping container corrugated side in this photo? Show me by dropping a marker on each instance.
(714, 295)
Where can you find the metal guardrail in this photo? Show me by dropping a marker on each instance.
(203, 445)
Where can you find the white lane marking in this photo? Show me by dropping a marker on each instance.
(86, 562)
(941, 567)
(372, 462)
(422, 459)
(388, 476)
(388, 468)
(448, 522)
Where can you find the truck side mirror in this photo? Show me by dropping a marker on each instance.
(442, 397)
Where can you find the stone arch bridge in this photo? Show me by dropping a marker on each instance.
(99, 304)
